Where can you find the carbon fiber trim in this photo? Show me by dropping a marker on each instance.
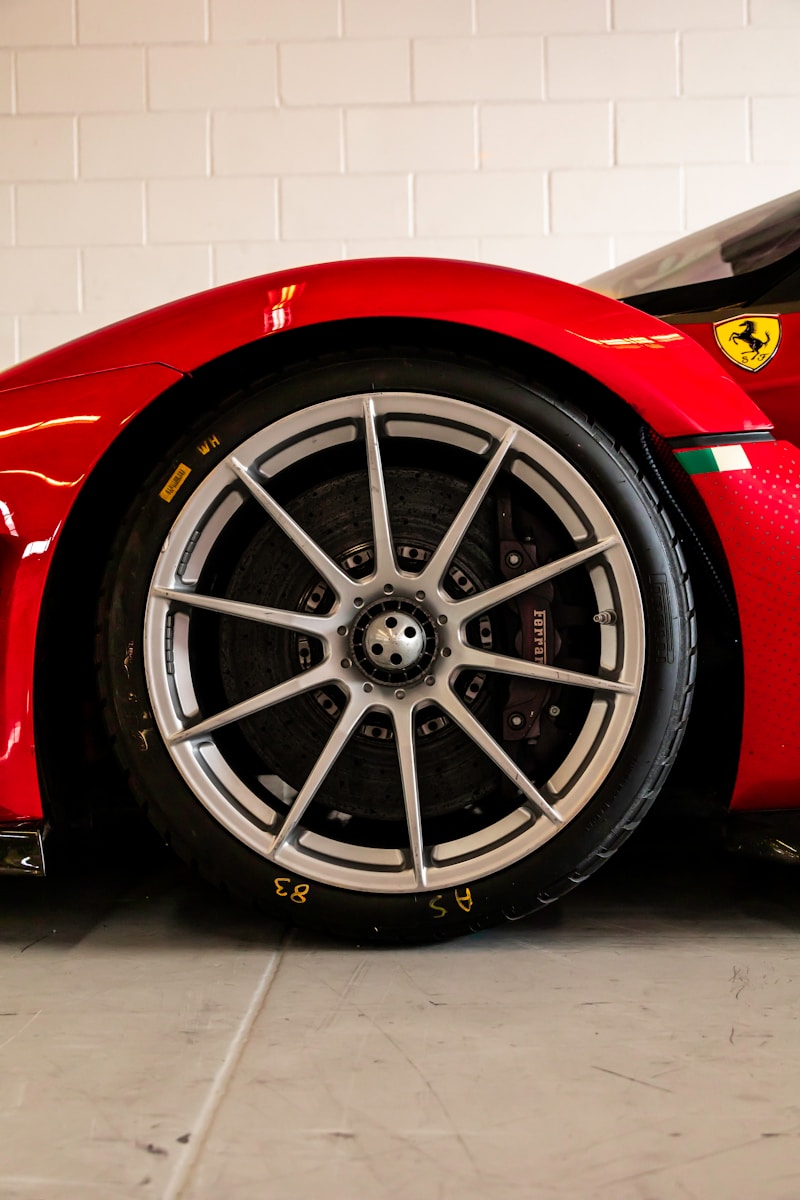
(720, 439)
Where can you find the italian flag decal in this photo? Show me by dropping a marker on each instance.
(714, 459)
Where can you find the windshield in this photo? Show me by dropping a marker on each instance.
(743, 243)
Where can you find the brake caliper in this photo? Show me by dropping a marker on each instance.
(530, 624)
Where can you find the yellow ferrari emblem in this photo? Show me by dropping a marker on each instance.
(749, 341)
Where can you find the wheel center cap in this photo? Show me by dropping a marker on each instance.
(394, 641)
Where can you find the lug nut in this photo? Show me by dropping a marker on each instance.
(367, 687)
(342, 631)
(419, 596)
(400, 694)
(446, 652)
(346, 663)
(388, 589)
(554, 711)
(516, 720)
(442, 619)
(358, 602)
(513, 558)
(429, 679)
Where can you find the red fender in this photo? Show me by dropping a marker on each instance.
(660, 371)
(59, 431)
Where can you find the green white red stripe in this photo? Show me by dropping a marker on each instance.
(710, 459)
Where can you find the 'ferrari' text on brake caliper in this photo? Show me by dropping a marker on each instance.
(535, 639)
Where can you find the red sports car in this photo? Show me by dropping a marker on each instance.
(390, 583)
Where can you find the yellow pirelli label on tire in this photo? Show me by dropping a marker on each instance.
(174, 482)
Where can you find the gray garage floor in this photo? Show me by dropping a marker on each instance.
(642, 1042)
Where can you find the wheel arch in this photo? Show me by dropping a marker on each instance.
(665, 375)
(66, 635)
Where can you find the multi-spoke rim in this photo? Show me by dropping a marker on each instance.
(277, 828)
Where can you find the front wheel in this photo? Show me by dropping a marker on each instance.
(397, 646)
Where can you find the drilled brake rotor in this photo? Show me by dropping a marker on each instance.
(453, 772)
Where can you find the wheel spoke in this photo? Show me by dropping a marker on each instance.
(349, 720)
(436, 568)
(484, 660)
(330, 571)
(381, 526)
(472, 606)
(303, 622)
(407, 755)
(482, 738)
(317, 677)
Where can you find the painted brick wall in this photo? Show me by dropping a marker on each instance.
(149, 148)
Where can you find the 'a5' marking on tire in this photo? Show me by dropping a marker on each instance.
(463, 900)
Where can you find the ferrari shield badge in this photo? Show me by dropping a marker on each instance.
(749, 341)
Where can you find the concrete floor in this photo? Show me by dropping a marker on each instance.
(641, 1042)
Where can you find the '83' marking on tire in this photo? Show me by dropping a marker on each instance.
(298, 894)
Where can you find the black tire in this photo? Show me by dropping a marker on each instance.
(449, 843)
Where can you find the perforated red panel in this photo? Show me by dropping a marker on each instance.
(757, 513)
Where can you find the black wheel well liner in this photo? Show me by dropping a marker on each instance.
(77, 774)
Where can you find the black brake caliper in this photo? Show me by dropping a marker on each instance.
(529, 622)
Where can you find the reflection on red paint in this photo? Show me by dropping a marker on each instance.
(56, 421)
(46, 478)
(8, 520)
(40, 547)
(279, 314)
(13, 740)
(626, 343)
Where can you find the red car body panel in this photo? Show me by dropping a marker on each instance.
(60, 431)
(61, 412)
(757, 513)
(758, 516)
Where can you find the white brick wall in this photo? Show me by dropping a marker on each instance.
(75, 79)
(485, 68)
(115, 23)
(150, 148)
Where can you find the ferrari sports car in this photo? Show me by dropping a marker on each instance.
(389, 584)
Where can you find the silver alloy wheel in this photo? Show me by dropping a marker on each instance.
(431, 646)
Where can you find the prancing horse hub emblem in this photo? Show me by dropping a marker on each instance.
(749, 341)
